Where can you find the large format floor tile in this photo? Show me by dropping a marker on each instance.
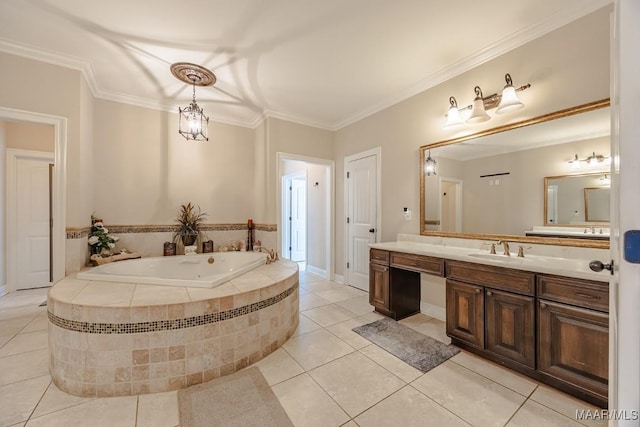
(307, 404)
(408, 408)
(316, 348)
(470, 396)
(105, 412)
(325, 375)
(355, 382)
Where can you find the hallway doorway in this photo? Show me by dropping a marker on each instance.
(305, 204)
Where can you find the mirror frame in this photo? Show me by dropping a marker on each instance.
(512, 238)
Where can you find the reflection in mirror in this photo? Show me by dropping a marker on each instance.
(596, 204)
(577, 200)
(488, 184)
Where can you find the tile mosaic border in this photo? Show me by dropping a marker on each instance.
(80, 232)
(167, 325)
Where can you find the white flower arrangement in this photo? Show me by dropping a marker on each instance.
(99, 238)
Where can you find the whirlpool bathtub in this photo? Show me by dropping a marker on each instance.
(196, 271)
(126, 337)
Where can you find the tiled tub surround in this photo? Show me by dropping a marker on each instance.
(147, 240)
(116, 339)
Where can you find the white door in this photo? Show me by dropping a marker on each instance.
(298, 230)
(624, 317)
(362, 193)
(451, 205)
(33, 266)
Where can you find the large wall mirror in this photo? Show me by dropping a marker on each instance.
(542, 180)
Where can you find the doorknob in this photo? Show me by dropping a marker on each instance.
(599, 266)
(372, 230)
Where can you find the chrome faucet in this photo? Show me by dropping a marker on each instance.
(505, 244)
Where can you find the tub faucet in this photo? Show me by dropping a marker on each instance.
(505, 244)
(273, 255)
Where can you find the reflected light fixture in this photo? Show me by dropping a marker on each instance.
(192, 122)
(429, 165)
(575, 163)
(594, 160)
(605, 180)
(505, 102)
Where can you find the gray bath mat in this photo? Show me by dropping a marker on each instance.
(242, 399)
(418, 350)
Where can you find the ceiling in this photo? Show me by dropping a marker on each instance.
(323, 63)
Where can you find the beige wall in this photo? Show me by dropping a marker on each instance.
(49, 89)
(29, 136)
(3, 204)
(144, 170)
(516, 204)
(567, 67)
(291, 138)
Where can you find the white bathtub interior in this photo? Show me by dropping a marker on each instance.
(202, 270)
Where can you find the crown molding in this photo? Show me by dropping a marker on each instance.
(503, 46)
(509, 43)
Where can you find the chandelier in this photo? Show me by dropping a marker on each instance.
(192, 122)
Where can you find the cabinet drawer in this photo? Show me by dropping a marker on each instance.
(505, 279)
(419, 263)
(378, 256)
(579, 292)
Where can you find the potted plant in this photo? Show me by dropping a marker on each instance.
(189, 233)
(99, 240)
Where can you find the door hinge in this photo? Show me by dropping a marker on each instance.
(289, 218)
(348, 173)
(348, 220)
(347, 265)
(290, 188)
(289, 248)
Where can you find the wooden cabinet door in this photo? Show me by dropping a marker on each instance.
(510, 326)
(379, 286)
(573, 345)
(465, 313)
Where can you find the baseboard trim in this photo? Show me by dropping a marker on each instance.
(316, 270)
(4, 289)
(339, 278)
(434, 311)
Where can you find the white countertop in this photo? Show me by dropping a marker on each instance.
(570, 267)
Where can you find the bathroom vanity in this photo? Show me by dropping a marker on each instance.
(524, 313)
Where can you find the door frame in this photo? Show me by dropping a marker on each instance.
(367, 153)
(329, 205)
(13, 156)
(58, 232)
(286, 203)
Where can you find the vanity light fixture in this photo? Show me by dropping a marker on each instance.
(429, 165)
(505, 102)
(453, 115)
(605, 180)
(192, 122)
(509, 100)
(478, 113)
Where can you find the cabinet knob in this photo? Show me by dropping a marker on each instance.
(543, 305)
(477, 290)
(489, 293)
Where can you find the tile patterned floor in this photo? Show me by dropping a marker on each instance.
(325, 375)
